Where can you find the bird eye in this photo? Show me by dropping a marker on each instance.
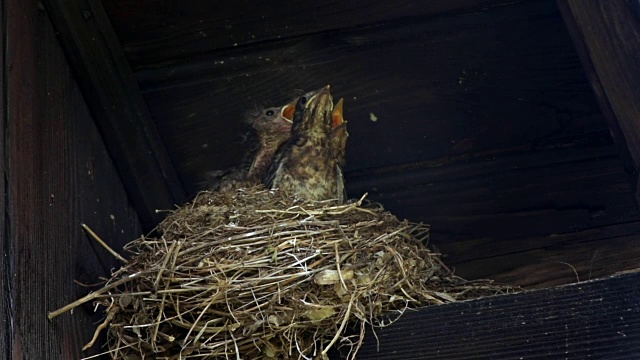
(303, 100)
(270, 113)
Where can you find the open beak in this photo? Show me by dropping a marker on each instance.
(287, 111)
(338, 118)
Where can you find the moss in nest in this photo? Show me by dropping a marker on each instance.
(253, 274)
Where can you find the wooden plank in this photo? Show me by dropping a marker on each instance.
(608, 36)
(579, 178)
(5, 311)
(505, 215)
(59, 176)
(555, 259)
(546, 260)
(615, 130)
(597, 319)
(467, 248)
(113, 96)
(439, 85)
(161, 31)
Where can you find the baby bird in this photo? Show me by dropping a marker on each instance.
(272, 128)
(306, 165)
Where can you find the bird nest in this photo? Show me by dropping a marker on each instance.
(254, 274)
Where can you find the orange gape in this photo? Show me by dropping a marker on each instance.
(338, 118)
(287, 110)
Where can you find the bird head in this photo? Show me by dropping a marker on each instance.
(313, 115)
(273, 128)
(272, 120)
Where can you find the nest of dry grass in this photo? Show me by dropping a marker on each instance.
(253, 274)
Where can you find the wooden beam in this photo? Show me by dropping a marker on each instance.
(607, 36)
(5, 339)
(155, 32)
(597, 319)
(111, 91)
(58, 175)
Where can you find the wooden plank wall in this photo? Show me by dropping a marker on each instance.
(5, 311)
(595, 320)
(59, 176)
(158, 32)
(487, 126)
(448, 84)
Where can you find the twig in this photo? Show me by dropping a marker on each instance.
(335, 244)
(101, 242)
(342, 325)
(92, 296)
(112, 312)
(573, 268)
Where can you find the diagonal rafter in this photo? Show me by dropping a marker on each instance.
(112, 93)
(607, 37)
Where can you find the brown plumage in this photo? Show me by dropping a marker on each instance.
(272, 127)
(273, 131)
(306, 165)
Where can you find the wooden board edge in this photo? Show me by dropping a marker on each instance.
(598, 318)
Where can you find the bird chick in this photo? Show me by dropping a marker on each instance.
(272, 127)
(305, 165)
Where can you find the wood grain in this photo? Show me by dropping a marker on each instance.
(564, 258)
(59, 176)
(116, 104)
(590, 320)
(501, 215)
(5, 310)
(571, 179)
(608, 36)
(154, 33)
(439, 86)
(605, 106)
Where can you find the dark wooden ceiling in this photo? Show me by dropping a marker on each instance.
(487, 126)
(483, 76)
(169, 31)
